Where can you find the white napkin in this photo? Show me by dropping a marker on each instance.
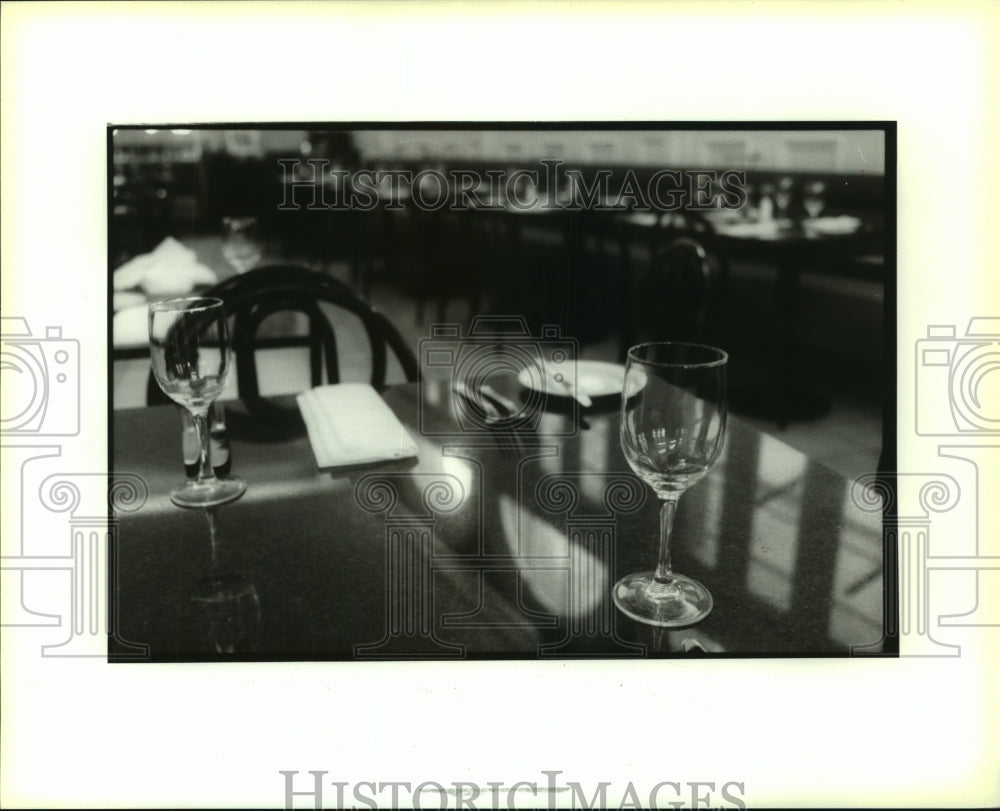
(130, 327)
(171, 269)
(349, 424)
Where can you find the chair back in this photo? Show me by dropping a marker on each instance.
(252, 297)
(681, 287)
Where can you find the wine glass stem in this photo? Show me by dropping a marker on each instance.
(667, 510)
(205, 472)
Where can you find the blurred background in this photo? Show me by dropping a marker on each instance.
(791, 280)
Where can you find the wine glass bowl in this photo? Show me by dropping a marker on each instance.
(241, 243)
(191, 360)
(672, 432)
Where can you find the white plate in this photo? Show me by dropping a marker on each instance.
(593, 377)
(768, 229)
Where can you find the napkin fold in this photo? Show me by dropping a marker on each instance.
(170, 269)
(350, 424)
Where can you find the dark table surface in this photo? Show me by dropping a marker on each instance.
(489, 547)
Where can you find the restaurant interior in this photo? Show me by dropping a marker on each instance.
(774, 244)
(423, 267)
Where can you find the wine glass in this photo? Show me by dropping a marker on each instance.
(672, 431)
(812, 200)
(241, 245)
(191, 357)
(783, 196)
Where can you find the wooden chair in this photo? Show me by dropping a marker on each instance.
(677, 295)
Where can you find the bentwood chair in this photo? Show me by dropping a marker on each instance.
(677, 295)
(255, 296)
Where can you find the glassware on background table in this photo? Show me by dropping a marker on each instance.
(241, 243)
(812, 199)
(783, 197)
(672, 431)
(191, 358)
(749, 210)
(765, 210)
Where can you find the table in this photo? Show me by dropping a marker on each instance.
(790, 247)
(480, 549)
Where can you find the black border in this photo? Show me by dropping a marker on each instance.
(890, 436)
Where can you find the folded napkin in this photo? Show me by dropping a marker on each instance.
(171, 269)
(349, 424)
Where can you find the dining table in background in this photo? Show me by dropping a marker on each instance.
(489, 544)
(847, 246)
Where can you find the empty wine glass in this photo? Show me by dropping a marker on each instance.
(191, 358)
(672, 431)
(241, 245)
(812, 200)
(783, 196)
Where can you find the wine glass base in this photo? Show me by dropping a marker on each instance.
(229, 613)
(680, 601)
(211, 493)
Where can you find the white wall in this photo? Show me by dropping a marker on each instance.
(834, 151)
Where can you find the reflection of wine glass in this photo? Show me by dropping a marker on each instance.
(672, 431)
(227, 605)
(812, 200)
(189, 347)
(241, 246)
